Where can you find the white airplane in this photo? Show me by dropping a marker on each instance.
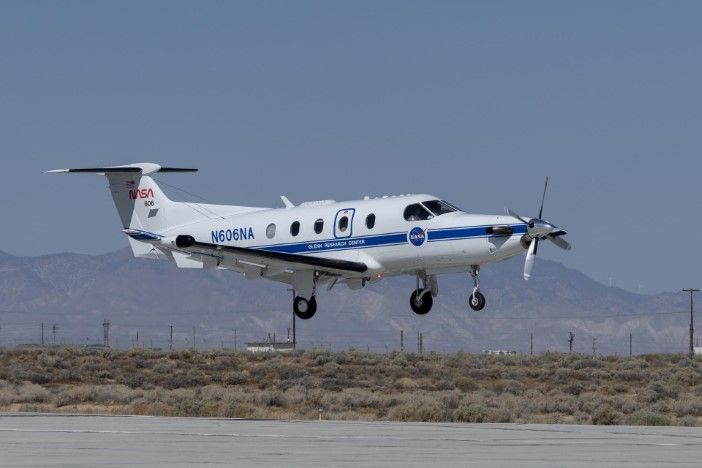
(322, 243)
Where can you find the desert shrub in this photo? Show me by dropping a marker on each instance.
(688, 421)
(647, 418)
(405, 383)
(134, 380)
(606, 416)
(423, 410)
(473, 412)
(656, 391)
(103, 374)
(687, 406)
(188, 407)
(587, 363)
(31, 393)
(235, 378)
(573, 389)
(465, 384)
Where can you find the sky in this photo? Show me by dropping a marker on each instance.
(475, 102)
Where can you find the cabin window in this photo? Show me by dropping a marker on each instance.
(439, 207)
(417, 212)
(370, 221)
(295, 228)
(343, 223)
(270, 231)
(319, 226)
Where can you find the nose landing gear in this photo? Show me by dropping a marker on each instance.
(476, 300)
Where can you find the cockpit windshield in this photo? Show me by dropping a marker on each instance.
(439, 207)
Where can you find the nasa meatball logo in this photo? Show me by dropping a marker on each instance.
(417, 236)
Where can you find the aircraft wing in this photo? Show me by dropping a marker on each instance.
(267, 260)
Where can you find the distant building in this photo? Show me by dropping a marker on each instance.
(270, 347)
(698, 351)
(499, 352)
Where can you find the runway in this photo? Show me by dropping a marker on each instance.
(80, 440)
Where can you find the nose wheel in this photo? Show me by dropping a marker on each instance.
(476, 300)
(305, 308)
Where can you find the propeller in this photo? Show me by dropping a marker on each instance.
(538, 229)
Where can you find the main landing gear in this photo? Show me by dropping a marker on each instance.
(476, 300)
(421, 298)
(304, 308)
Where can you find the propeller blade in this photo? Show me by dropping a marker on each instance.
(560, 242)
(529, 262)
(515, 215)
(543, 197)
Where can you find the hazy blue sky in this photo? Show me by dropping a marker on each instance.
(473, 101)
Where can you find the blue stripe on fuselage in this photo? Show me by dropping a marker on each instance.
(384, 240)
(340, 244)
(469, 232)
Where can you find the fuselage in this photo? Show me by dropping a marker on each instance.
(392, 235)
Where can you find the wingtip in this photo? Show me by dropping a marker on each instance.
(56, 171)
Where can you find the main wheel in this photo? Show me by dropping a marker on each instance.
(421, 304)
(476, 301)
(305, 309)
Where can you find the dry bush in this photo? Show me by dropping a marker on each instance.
(550, 387)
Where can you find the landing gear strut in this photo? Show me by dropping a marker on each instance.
(476, 300)
(421, 298)
(305, 308)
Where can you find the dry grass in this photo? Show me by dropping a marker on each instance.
(557, 388)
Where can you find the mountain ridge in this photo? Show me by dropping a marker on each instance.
(78, 291)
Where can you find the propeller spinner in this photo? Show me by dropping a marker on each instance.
(538, 229)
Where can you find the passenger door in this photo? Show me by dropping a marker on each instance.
(343, 223)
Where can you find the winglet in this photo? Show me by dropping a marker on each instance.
(286, 202)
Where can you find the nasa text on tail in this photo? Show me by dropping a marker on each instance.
(323, 243)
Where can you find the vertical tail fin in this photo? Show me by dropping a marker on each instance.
(142, 206)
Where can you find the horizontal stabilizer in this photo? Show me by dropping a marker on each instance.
(143, 168)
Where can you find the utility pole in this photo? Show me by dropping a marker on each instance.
(170, 338)
(137, 340)
(570, 341)
(594, 348)
(42, 333)
(630, 345)
(106, 332)
(194, 346)
(236, 340)
(419, 343)
(692, 330)
(54, 329)
(402, 341)
(531, 344)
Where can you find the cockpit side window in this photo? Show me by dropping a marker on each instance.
(439, 207)
(417, 212)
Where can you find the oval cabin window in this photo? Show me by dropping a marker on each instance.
(318, 226)
(270, 231)
(370, 221)
(295, 228)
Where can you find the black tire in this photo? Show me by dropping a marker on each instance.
(423, 305)
(476, 301)
(303, 308)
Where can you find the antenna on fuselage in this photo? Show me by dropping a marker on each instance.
(286, 202)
